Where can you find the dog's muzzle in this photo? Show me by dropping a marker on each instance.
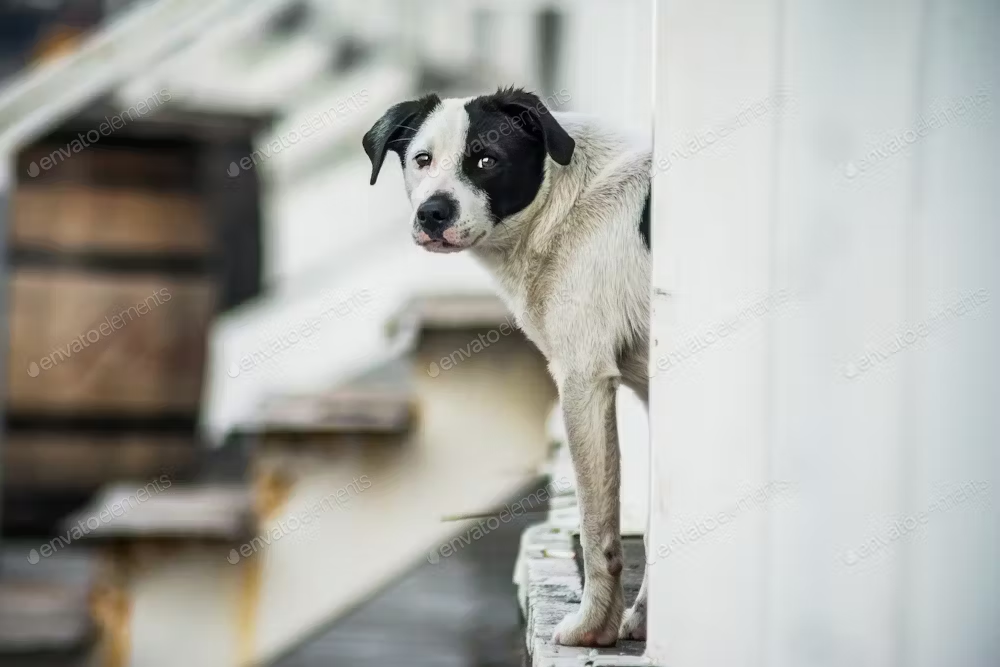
(436, 228)
(437, 213)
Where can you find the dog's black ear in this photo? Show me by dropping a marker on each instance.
(528, 108)
(394, 130)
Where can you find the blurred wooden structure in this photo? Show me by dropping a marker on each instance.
(119, 255)
(36, 32)
(45, 610)
(391, 450)
(121, 237)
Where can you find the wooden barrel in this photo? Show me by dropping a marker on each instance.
(112, 290)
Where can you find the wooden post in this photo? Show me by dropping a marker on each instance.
(711, 251)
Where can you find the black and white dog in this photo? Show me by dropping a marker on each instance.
(557, 207)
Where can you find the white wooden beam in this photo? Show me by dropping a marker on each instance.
(713, 206)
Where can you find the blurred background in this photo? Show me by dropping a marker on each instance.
(223, 339)
(247, 422)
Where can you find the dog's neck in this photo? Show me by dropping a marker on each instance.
(533, 229)
(529, 236)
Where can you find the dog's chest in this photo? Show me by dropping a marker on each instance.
(529, 314)
(524, 284)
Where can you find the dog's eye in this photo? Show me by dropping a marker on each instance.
(422, 159)
(487, 162)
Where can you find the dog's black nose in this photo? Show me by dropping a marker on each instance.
(437, 212)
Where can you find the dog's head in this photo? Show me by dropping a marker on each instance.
(468, 164)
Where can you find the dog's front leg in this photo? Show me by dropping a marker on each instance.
(589, 412)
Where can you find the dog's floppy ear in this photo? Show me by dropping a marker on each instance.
(533, 112)
(394, 130)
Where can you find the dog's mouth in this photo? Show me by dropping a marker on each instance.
(443, 246)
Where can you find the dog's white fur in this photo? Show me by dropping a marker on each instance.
(575, 272)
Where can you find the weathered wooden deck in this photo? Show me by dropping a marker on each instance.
(458, 612)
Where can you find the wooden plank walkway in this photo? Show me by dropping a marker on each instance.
(459, 611)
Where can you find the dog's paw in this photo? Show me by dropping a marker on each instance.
(634, 624)
(577, 631)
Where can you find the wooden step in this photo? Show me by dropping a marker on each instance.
(44, 615)
(164, 554)
(449, 311)
(160, 510)
(337, 411)
(377, 402)
(41, 617)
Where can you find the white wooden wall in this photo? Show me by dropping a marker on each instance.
(834, 251)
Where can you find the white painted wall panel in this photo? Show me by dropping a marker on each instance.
(951, 571)
(607, 62)
(840, 247)
(874, 385)
(713, 203)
